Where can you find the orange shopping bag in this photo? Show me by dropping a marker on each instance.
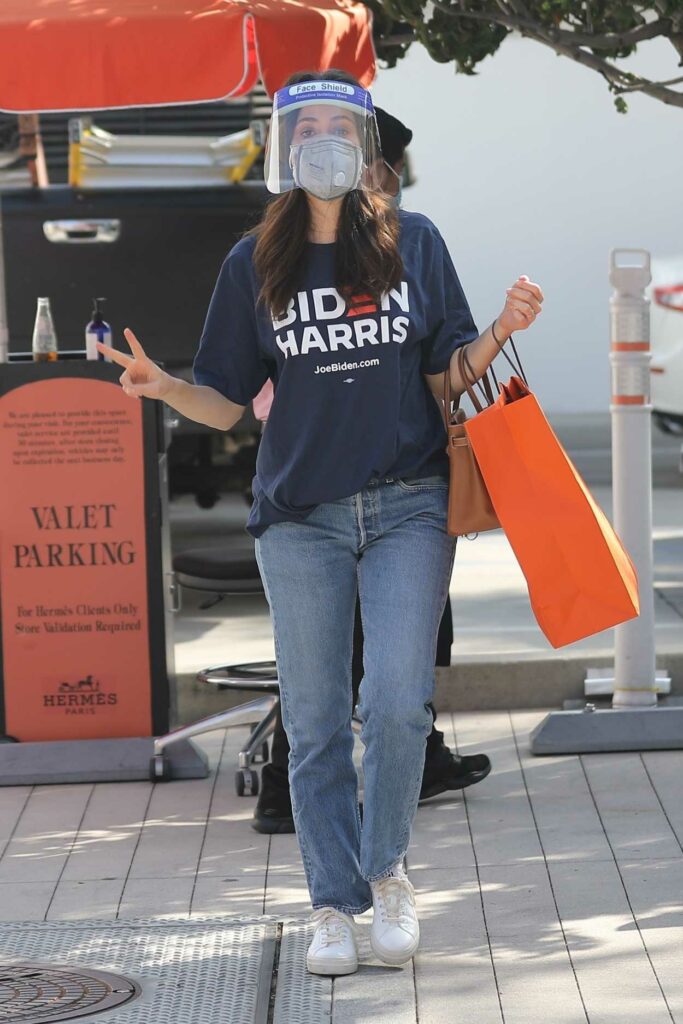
(580, 578)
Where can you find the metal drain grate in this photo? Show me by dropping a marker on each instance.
(183, 970)
(210, 970)
(32, 993)
(300, 997)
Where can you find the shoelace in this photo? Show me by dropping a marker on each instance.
(332, 926)
(396, 898)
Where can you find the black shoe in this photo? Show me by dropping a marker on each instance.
(273, 811)
(445, 770)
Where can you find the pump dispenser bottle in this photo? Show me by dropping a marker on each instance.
(97, 330)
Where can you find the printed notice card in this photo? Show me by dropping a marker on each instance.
(73, 588)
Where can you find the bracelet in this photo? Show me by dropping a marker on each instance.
(497, 340)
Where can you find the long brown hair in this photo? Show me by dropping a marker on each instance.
(367, 258)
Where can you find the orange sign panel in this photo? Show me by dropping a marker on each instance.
(73, 572)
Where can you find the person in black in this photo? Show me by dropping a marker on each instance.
(443, 769)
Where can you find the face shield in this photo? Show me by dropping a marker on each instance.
(323, 138)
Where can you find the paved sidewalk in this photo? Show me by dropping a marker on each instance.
(499, 654)
(549, 892)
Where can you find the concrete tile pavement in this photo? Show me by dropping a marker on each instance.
(549, 891)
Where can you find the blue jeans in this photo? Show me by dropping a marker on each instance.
(389, 540)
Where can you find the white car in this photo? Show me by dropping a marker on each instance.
(666, 319)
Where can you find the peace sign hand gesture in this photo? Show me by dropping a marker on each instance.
(141, 377)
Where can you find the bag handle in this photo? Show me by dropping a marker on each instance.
(484, 385)
(518, 368)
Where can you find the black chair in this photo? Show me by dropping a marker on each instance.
(229, 573)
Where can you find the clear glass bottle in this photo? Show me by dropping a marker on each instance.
(44, 344)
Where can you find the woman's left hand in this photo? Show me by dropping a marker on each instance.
(522, 306)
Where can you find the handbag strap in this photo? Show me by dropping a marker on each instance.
(469, 379)
(484, 384)
(447, 396)
(463, 367)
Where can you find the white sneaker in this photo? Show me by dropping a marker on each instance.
(395, 933)
(333, 949)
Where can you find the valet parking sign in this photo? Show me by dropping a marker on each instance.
(73, 594)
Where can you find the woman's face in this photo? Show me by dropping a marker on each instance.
(325, 119)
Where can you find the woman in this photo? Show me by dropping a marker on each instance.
(443, 770)
(354, 310)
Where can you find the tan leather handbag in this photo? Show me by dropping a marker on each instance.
(470, 510)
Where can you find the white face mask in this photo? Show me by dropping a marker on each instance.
(328, 166)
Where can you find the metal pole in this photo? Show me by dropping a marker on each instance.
(4, 332)
(635, 672)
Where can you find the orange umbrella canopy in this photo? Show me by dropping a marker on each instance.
(94, 54)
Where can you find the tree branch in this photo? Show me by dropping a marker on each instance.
(633, 88)
(400, 40)
(503, 6)
(522, 19)
(507, 20)
(565, 43)
(616, 40)
(589, 16)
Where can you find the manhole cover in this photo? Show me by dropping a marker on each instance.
(202, 970)
(31, 993)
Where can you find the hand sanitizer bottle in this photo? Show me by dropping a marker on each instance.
(97, 330)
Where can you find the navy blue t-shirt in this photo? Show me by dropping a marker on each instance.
(350, 400)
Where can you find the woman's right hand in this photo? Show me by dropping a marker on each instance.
(141, 377)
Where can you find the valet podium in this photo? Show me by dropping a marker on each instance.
(87, 674)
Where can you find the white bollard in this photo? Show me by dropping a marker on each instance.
(635, 665)
(635, 721)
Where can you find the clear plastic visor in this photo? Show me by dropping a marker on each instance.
(323, 114)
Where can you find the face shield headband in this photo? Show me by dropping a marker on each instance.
(323, 138)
